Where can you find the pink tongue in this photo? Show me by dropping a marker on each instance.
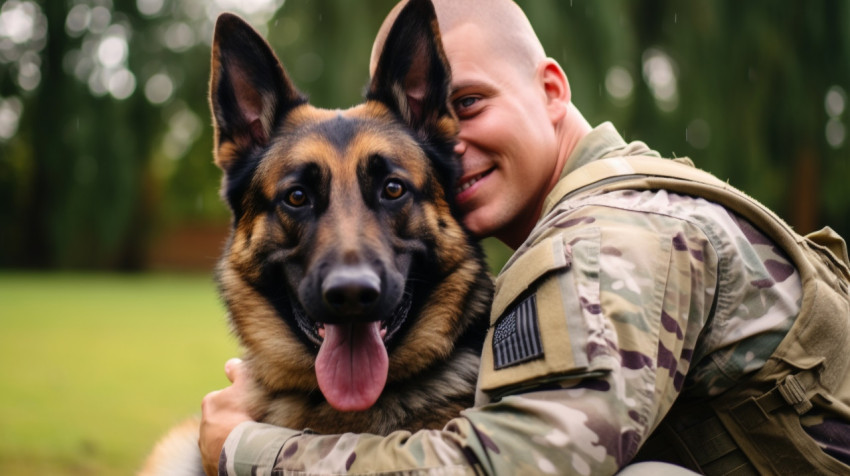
(352, 366)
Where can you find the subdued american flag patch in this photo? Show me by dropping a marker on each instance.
(516, 338)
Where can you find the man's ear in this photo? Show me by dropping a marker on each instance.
(249, 90)
(413, 77)
(556, 88)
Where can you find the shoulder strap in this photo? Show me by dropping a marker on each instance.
(679, 176)
(620, 173)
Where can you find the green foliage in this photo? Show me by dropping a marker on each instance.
(755, 92)
(98, 366)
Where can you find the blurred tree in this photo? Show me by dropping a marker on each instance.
(104, 125)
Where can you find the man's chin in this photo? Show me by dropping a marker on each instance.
(475, 224)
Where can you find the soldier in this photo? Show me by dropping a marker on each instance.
(620, 306)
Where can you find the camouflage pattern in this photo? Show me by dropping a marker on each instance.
(640, 296)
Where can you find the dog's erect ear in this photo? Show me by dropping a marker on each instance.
(413, 76)
(249, 90)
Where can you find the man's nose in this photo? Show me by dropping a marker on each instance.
(460, 148)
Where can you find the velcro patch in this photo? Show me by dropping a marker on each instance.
(516, 338)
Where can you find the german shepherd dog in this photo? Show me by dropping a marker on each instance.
(358, 298)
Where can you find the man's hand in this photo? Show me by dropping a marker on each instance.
(221, 412)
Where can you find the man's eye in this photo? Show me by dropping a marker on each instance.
(393, 189)
(296, 197)
(466, 102)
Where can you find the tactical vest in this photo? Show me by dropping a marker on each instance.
(755, 427)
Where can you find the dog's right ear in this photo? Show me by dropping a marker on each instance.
(412, 76)
(249, 90)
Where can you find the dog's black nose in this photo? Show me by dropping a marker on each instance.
(351, 290)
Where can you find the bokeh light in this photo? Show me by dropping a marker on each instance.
(698, 134)
(159, 88)
(10, 114)
(659, 72)
(619, 84)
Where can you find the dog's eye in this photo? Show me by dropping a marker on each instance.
(296, 197)
(393, 189)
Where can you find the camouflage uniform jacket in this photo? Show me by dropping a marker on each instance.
(616, 304)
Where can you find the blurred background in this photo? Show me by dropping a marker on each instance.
(110, 220)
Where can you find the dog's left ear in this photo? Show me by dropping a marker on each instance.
(249, 91)
(413, 77)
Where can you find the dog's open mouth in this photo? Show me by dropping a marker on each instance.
(389, 328)
(352, 362)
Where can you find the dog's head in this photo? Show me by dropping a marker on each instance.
(342, 223)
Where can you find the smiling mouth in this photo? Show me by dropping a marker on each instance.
(471, 181)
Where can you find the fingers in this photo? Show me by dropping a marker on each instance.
(234, 369)
(221, 411)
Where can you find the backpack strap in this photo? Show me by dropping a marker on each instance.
(680, 176)
(647, 172)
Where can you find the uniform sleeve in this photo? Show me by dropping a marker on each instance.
(591, 335)
(252, 448)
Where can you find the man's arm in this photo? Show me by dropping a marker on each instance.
(540, 432)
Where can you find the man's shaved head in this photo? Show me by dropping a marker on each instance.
(504, 23)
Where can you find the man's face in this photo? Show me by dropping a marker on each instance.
(507, 140)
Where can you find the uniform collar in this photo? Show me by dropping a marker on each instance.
(602, 142)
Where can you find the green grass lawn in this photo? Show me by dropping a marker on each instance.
(96, 366)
